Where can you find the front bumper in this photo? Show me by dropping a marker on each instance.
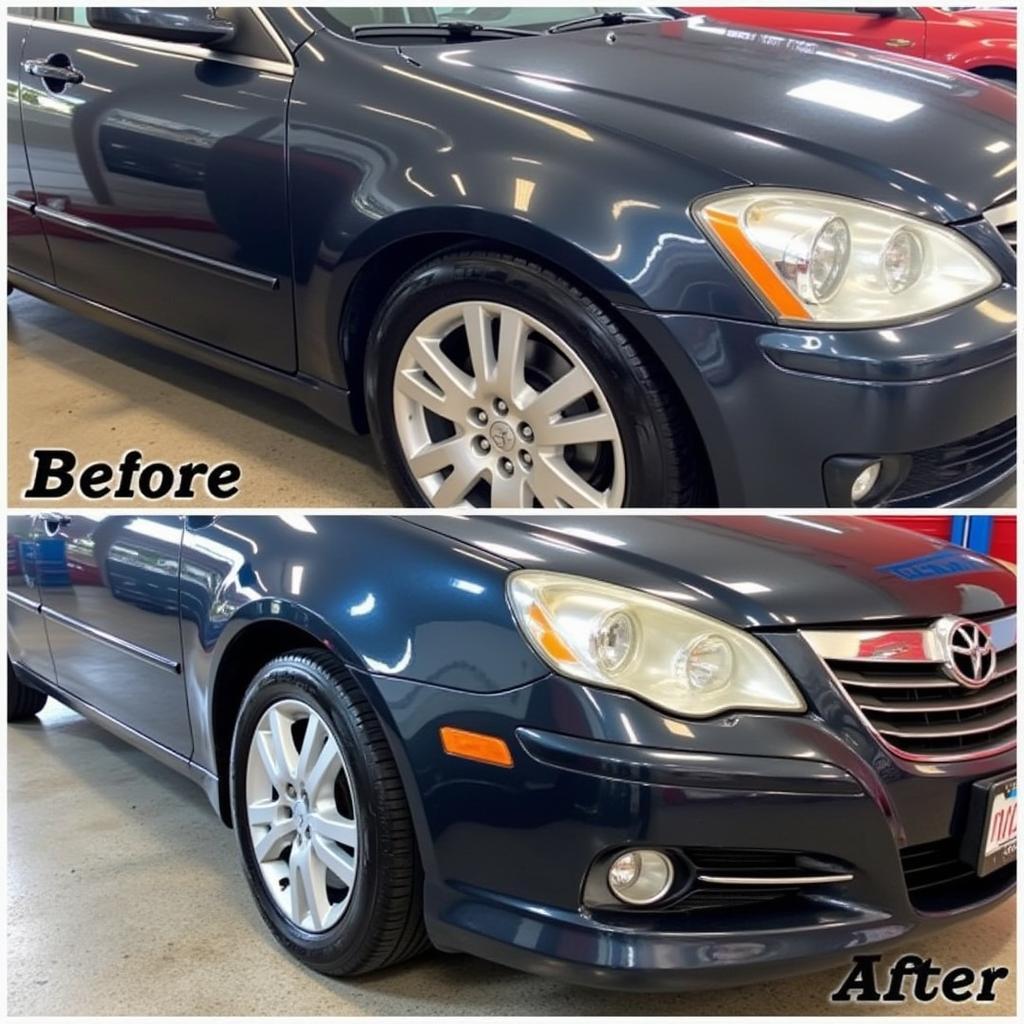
(506, 851)
(775, 405)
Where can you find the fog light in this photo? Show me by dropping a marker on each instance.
(865, 482)
(640, 877)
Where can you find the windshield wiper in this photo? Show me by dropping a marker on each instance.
(447, 31)
(609, 19)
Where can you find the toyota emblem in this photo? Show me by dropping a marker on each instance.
(968, 655)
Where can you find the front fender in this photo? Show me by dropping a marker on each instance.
(400, 154)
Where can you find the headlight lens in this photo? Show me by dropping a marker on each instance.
(825, 259)
(623, 639)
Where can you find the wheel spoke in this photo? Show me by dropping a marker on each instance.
(414, 385)
(312, 745)
(325, 768)
(271, 844)
(264, 812)
(556, 484)
(313, 879)
(576, 384)
(331, 825)
(432, 458)
(477, 322)
(453, 383)
(511, 492)
(335, 859)
(591, 428)
(285, 754)
(264, 744)
(510, 372)
(459, 483)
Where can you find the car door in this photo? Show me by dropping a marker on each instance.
(896, 29)
(160, 174)
(27, 645)
(26, 244)
(109, 588)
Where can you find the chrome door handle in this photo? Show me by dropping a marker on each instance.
(899, 44)
(66, 74)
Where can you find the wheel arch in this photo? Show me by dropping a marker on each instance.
(404, 247)
(246, 645)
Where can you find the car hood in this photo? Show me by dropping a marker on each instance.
(754, 571)
(763, 108)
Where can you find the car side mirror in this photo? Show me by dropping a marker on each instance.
(170, 24)
(879, 12)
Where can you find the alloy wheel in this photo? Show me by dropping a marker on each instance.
(495, 409)
(302, 815)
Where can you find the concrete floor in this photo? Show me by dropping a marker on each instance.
(125, 897)
(74, 383)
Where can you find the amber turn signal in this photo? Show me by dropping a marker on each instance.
(476, 746)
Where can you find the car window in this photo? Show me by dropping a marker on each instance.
(537, 18)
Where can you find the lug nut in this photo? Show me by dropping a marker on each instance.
(527, 431)
(483, 445)
(526, 459)
(500, 407)
(480, 416)
(506, 467)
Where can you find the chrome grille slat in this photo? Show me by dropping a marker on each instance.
(908, 702)
(930, 732)
(986, 698)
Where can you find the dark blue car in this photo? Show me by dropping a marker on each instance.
(549, 257)
(642, 752)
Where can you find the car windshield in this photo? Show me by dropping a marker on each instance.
(349, 20)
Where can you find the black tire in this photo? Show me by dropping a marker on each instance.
(664, 456)
(22, 701)
(383, 924)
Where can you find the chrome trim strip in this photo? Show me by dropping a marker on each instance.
(125, 646)
(20, 204)
(796, 880)
(846, 644)
(900, 684)
(277, 67)
(23, 602)
(170, 252)
(931, 732)
(982, 699)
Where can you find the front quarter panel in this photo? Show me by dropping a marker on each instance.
(382, 151)
(389, 597)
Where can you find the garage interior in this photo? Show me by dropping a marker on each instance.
(69, 377)
(126, 896)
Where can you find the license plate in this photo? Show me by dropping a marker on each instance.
(998, 845)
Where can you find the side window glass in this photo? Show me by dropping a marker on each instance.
(73, 16)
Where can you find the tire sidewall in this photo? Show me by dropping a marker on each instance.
(291, 679)
(475, 277)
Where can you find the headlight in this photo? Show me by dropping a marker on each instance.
(824, 259)
(677, 659)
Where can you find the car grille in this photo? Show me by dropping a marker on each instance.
(938, 880)
(1004, 219)
(938, 475)
(919, 712)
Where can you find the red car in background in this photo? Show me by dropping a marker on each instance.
(982, 40)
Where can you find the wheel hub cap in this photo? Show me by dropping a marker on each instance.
(493, 408)
(302, 825)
